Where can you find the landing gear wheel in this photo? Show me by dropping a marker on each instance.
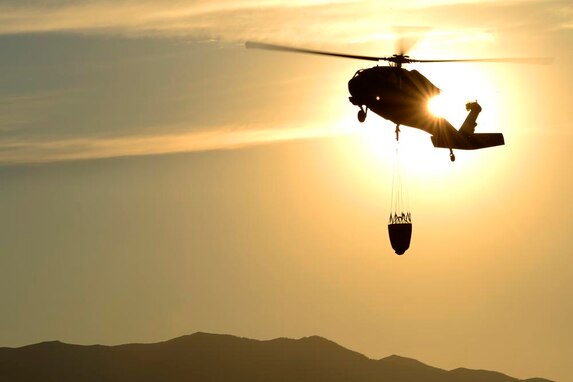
(361, 115)
(452, 156)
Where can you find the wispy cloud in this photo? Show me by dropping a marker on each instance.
(224, 138)
(322, 20)
(127, 16)
(565, 13)
(20, 110)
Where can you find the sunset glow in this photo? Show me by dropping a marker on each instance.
(158, 179)
(439, 106)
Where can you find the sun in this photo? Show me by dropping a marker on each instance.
(450, 105)
(439, 105)
(467, 83)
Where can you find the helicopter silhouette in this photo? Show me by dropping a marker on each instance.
(401, 96)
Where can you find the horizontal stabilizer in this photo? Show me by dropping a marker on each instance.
(462, 141)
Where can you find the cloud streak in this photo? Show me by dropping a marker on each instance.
(142, 17)
(224, 138)
(19, 111)
(329, 20)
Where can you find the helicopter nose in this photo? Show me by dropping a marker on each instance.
(356, 86)
(361, 90)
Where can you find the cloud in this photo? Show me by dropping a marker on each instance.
(18, 111)
(141, 17)
(565, 14)
(322, 20)
(224, 138)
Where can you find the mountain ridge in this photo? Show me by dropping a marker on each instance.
(221, 357)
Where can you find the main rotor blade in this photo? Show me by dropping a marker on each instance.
(519, 60)
(282, 48)
(408, 37)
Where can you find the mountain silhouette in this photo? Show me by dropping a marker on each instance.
(215, 357)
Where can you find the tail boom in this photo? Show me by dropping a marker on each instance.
(462, 141)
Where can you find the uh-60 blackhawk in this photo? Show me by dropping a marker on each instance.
(401, 96)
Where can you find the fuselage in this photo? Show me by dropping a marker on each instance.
(396, 94)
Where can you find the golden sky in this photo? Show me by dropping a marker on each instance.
(157, 179)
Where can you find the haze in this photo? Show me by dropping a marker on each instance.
(158, 179)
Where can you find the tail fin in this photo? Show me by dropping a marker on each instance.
(465, 138)
(469, 125)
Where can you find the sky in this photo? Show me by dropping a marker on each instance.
(159, 179)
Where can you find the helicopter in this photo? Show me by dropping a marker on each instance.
(401, 96)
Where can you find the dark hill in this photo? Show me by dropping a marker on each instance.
(213, 357)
